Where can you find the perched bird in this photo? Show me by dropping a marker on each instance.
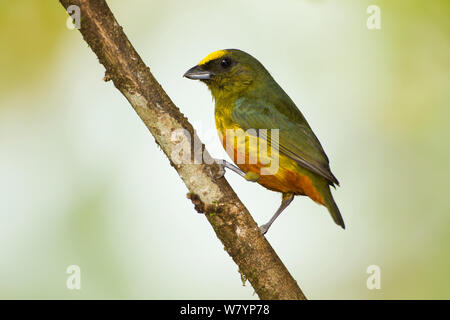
(247, 99)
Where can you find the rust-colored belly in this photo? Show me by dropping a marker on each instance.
(287, 176)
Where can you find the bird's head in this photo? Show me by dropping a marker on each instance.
(227, 72)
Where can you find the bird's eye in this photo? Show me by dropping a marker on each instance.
(225, 63)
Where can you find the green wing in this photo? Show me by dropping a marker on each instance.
(296, 139)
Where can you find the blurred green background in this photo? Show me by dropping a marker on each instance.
(83, 183)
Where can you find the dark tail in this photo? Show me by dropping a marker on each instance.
(333, 209)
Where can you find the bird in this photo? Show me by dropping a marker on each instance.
(248, 100)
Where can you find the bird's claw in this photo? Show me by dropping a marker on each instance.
(263, 229)
(249, 176)
(219, 173)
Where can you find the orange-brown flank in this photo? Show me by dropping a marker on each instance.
(287, 179)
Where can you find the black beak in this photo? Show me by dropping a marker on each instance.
(197, 73)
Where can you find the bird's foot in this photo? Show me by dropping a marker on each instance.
(219, 173)
(264, 228)
(225, 164)
(286, 200)
(249, 176)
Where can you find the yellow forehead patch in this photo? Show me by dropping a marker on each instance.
(212, 56)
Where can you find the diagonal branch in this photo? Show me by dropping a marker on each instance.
(233, 224)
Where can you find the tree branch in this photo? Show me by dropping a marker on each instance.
(233, 224)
